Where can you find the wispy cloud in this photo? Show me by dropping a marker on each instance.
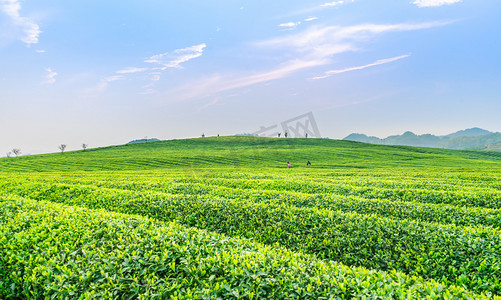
(335, 3)
(310, 19)
(103, 84)
(313, 47)
(172, 59)
(50, 77)
(330, 4)
(282, 71)
(166, 60)
(434, 3)
(289, 25)
(215, 84)
(316, 8)
(318, 42)
(31, 30)
(376, 63)
(312, 9)
(131, 70)
(154, 78)
(175, 58)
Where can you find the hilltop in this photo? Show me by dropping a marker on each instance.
(248, 152)
(145, 140)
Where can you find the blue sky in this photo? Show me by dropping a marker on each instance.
(107, 72)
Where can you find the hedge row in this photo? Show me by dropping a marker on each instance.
(53, 251)
(452, 191)
(463, 256)
(488, 199)
(443, 213)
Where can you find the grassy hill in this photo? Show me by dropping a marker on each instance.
(223, 217)
(249, 152)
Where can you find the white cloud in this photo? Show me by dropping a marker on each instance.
(50, 77)
(319, 42)
(376, 63)
(40, 51)
(217, 83)
(316, 8)
(280, 72)
(335, 3)
(289, 24)
(434, 3)
(31, 31)
(310, 19)
(175, 58)
(310, 48)
(131, 70)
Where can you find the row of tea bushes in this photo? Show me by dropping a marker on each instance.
(490, 199)
(440, 213)
(54, 251)
(464, 256)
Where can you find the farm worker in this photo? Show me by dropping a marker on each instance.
(288, 165)
(308, 163)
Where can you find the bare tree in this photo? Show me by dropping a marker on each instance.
(84, 146)
(62, 147)
(9, 154)
(16, 151)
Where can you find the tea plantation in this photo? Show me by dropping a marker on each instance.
(224, 218)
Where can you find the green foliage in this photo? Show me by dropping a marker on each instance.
(432, 214)
(56, 251)
(239, 152)
(464, 256)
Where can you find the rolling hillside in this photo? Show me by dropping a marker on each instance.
(224, 218)
(249, 152)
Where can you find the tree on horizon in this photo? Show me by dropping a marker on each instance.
(62, 147)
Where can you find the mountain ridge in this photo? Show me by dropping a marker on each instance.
(468, 139)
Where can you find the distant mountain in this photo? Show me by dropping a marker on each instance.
(482, 142)
(143, 141)
(363, 138)
(469, 132)
(472, 139)
(411, 139)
